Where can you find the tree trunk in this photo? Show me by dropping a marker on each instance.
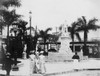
(44, 44)
(73, 47)
(85, 51)
(8, 31)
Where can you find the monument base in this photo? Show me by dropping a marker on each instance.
(65, 49)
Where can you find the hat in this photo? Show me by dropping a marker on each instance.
(37, 52)
(41, 52)
(8, 54)
(32, 52)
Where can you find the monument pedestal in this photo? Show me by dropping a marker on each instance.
(65, 49)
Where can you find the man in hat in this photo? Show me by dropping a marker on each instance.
(8, 63)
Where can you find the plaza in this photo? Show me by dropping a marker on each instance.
(59, 68)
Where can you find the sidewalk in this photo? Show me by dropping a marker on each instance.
(55, 67)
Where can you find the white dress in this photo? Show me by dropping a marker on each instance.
(42, 64)
(32, 63)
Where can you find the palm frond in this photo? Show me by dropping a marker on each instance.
(48, 29)
(42, 33)
(8, 3)
(92, 21)
(78, 36)
(92, 24)
(21, 24)
(28, 28)
(80, 21)
(10, 16)
(84, 20)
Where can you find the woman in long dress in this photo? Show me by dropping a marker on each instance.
(32, 62)
(42, 63)
(37, 62)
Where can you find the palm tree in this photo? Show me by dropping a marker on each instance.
(45, 36)
(53, 38)
(11, 3)
(73, 32)
(9, 16)
(85, 26)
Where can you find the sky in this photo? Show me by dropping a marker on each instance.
(53, 13)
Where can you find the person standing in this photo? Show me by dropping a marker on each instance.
(8, 64)
(32, 62)
(37, 62)
(42, 63)
(76, 57)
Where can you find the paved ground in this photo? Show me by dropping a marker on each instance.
(24, 68)
(81, 73)
(60, 68)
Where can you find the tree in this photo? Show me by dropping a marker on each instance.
(9, 16)
(44, 35)
(73, 31)
(85, 26)
(53, 38)
(10, 3)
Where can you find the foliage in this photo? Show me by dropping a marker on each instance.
(9, 16)
(73, 31)
(11, 3)
(85, 26)
(44, 35)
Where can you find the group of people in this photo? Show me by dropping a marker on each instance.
(37, 60)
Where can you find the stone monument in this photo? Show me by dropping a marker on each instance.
(65, 41)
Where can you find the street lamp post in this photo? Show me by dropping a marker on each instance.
(30, 20)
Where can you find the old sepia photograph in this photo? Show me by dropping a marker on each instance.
(49, 37)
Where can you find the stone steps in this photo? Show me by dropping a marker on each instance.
(58, 57)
